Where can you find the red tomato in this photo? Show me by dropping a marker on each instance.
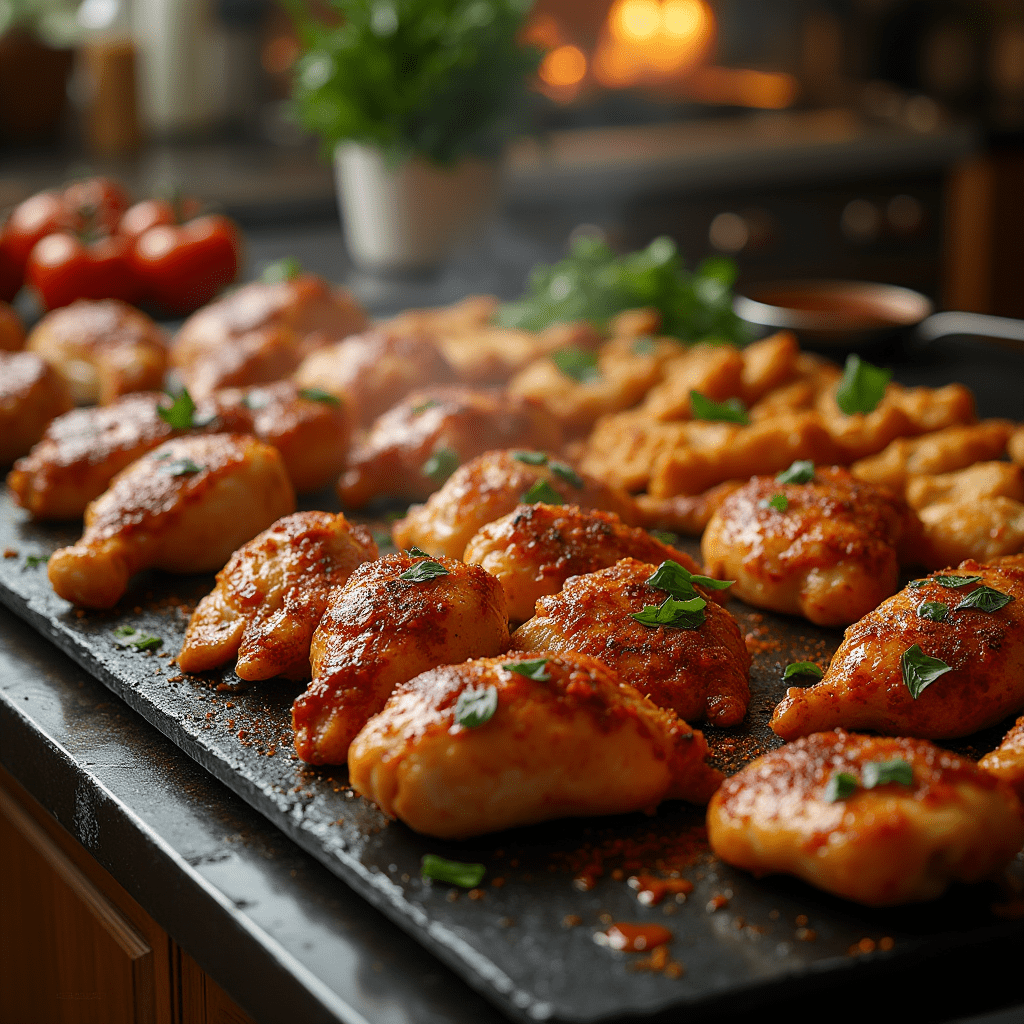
(181, 268)
(97, 203)
(38, 216)
(62, 268)
(151, 212)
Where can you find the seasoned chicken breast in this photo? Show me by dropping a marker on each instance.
(827, 549)
(877, 820)
(536, 548)
(272, 594)
(394, 618)
(32, 393)
(184, 507)
(698, 669)
(1006, 762)
(491, 486)
(944, 657)
(499, 742)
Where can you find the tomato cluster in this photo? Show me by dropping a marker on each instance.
(87, 242)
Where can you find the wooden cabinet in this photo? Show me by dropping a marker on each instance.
(75, 948)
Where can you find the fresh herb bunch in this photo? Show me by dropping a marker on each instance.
(441, 79)
(592, 283)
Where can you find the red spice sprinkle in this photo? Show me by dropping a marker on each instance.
(633, 938)
(716, 903)
(10, 553)
(887, 943)
(242, 734)
(475, 894)
(572, 921)
(650, 891)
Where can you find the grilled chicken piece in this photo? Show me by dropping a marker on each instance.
(12, 334)
(184, 507)
(866, 686)
(371, 372)
(896, 842)
(536, 548)
(700, 673)
(380, 630)
(828, 549)
(262, 332)
(491, 486)
(412, 449)
(571, 740)
(103, 349)
(687, 514)
(32, 393)
(272, 594)
(81, 451)
(1007, 760)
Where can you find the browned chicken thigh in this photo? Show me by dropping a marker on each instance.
(1007, 760)
(944, 657)
(698, 667)
(32, 393)
(394, 618)
(272, 594)
(878, 820)
(491, 486)
(500, 742)
(536, 548)
(827, 549)
(184, 507)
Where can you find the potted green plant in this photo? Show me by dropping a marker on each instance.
(416, 100)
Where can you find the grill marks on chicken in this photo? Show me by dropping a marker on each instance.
(577, 742)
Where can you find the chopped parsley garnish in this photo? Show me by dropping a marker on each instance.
(476, 706)
(985, 599)
(415, 552)
(34, 561)
(732, 410)
(283, 270)
(678, 582)
(430, 403)
(878, 773)
(181, 467)
(531, 458)
(802, 668)
(862, 387)
(541, 490)
(671, 612)
(568, 474)
(801, 472)
(578, 363)
(319, 395)
(180, 413)
(779, 502)
(934, 610)
(919, 670)
(423, 571)
(455, 872)
(441, 465)
(533, 669)
(129, 636)
(949, 582)
(840, 786)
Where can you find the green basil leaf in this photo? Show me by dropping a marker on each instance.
(319, 395)
(841, 786)
(800, 472)
(454, 872)
(536, 668)
(474, 707)
(542, 491)
(531, 458)
(181, 467)
(678, 581)
(283, 270)
(430, 403)
(779, 502)
(732, 410)
(128, 636)
(578, 363)
(920, 671)
(568, 474)
(862, 387)
(415, 552)
(423, 571)
(878, 773)
(985, 599)
(934, 610)
(441, 465)
(802, 668)
(34, 561)
(179, 414)
(680, 614)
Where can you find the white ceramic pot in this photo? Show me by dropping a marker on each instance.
(410, 217)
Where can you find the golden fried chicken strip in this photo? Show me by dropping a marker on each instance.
(371, 372)
(1015, 445)
(885, 657)
(966, 486)
(687, 514)
(574, 741)
(491, 486)
(828, 550)
(381, 629)
(184, 507)
(1006, 762)
(700, 673)
(32, 393)
(624, 446)
(983, 529)
(272, 594)
(460, 317)
(103, 349)
(716, 371)
(887, 842)
(536, 548)
(768, 364)
(413, 448)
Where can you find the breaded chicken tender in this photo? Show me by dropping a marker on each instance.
(699, 671)
(491, 486)
(102, 348)
(184, 508)
(272, 594)
(32, 393)
(395, 618)
(1006, 762)
(536, 548)
(716, 371)
(828, 550)
(877, 820)
(412, 449)
(983, 529)
(902, 673)
(966, 486)
(567, 739)
(687, 514)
